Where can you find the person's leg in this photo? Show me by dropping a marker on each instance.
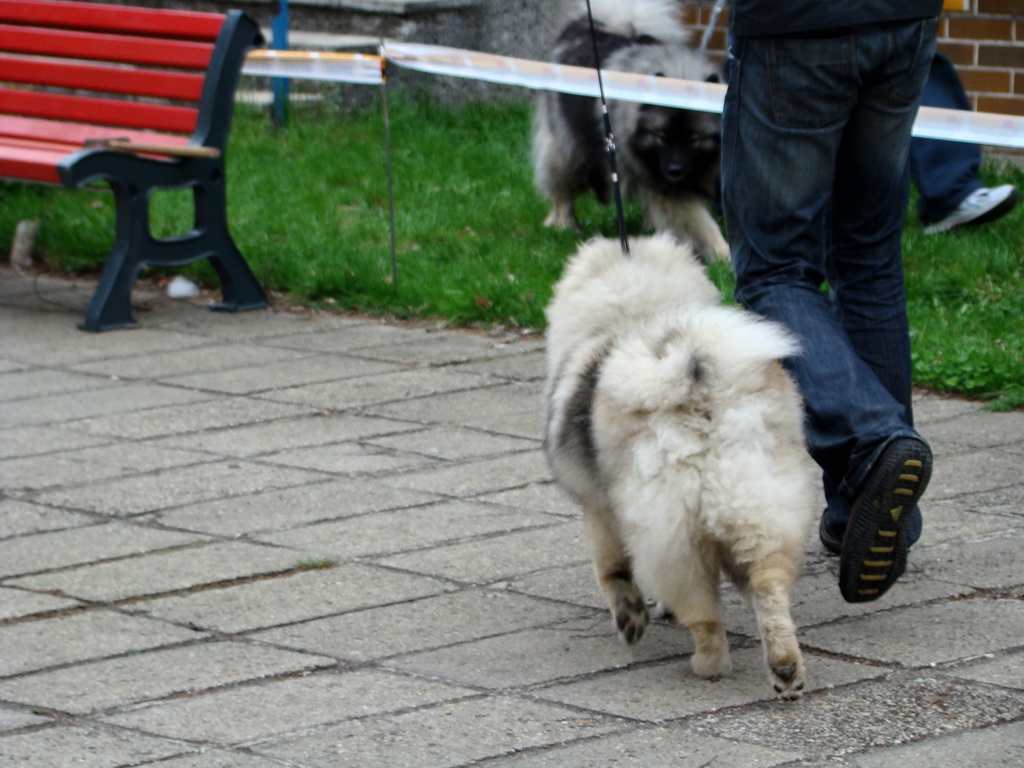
(785, 116)
(865, 269)
(782, 138)
(944, 172)
(881, 490)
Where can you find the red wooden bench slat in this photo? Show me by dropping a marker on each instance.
(158, 117)
(15, 129)
(30, 163)
(180, 86)
(101, 47)
(115, 18)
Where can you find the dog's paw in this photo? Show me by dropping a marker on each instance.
(630, 614)
(562, 216)
(719, 250)
(787, 678)
(711, 666)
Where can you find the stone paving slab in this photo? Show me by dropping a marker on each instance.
(432, 622)
(992, 562)
(30, 338)
(88, 464)
(578, 648)
(109, 403)
(450, 348)
(975, 472)
(669, 691)
(508, 408)
(46, 381)
(162, 572)
(173, 364)
(341, 335)
(378, 388)
(1000, 746)
(81, 636)
(664, 745)
(454, 443)
(176, 487)
(287, 433)
(1007, 671)
(299, 597)
(262, 710)
(266, 376)
(160, 674)
(882, 713)
(210, 414)
(88, 745)
(88, 544)
(20, 442)
(494, 559)
(12, 719)
(304, 539)
(978, 429)
(18, 604)
(531, 366)
(271, 509)
(263, 326)
(21, 517)
(208, 757)
(383, 533)
(457, 734)
(929, 634)
(479, 477)
(351, 458)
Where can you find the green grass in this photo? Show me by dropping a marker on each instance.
(309, 208)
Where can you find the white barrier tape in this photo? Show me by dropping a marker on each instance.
(312, 65)
(970, 127)
(934, 123)
(669, 92)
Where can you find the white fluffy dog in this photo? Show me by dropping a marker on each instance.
(671, 421)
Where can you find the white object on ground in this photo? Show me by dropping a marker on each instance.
(182, 288)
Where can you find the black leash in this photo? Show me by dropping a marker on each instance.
(610, 139)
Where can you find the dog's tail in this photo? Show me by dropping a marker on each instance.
(660, 19)
(680, 363)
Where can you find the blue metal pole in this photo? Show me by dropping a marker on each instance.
(279, 42)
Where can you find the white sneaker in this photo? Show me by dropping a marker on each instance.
(978, 207)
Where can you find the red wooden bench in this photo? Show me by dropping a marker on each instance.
(140, 99)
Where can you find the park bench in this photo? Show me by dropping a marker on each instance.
(140, 99)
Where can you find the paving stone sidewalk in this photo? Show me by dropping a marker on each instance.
(295, 539)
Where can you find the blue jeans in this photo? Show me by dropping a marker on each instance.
(944, 172)
(815, 140)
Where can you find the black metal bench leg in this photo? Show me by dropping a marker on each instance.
(111, 305)
(240, 290)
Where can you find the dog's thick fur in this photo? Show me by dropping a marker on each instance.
(667, 158)
(671, 421)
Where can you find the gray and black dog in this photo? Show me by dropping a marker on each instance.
(668, 158)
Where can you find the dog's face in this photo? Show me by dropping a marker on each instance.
(679, 149)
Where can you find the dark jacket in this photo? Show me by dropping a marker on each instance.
(757, 18)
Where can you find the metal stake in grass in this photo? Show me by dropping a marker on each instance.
(609, 139)
(391, 177)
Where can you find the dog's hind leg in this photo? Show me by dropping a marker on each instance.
(770, 581)
(615, 576)
(697, 605)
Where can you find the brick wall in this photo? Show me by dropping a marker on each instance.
(985, 41)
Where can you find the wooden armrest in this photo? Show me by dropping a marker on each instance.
(126, 145)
